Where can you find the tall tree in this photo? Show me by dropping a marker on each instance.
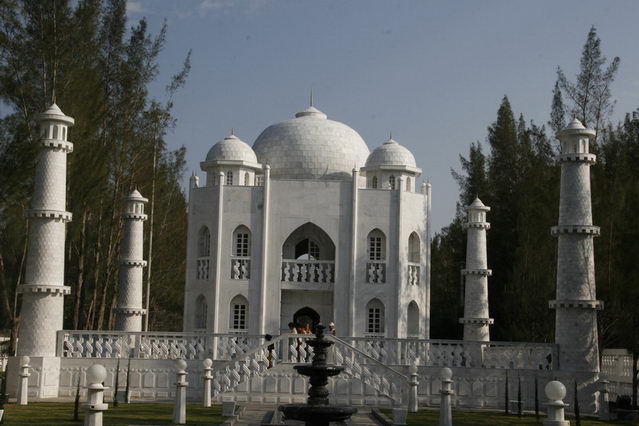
(590, 96)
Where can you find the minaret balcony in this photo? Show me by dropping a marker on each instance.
(575, 229)
(240, 268)
(580, 157)
(376, 272)
(413, 273)
(202, 268)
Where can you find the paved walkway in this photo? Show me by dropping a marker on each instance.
(259, 414)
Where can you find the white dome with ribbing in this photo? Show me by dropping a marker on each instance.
(310, 146)
(391, 153)
(231, 148)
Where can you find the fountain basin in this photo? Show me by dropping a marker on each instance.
(317, 414)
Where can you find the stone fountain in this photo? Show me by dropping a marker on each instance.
(317, 411)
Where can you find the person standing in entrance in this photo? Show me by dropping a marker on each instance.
(331, 327)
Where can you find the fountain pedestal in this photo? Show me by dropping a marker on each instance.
(317, 411)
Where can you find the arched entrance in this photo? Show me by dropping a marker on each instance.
(305, 316)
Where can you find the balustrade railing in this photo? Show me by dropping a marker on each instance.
(458, 353)
(202, 268)
(308, 271)
(293, 348)
(413, 273)
(240, 268)
(617, 364)
(376, 272)
(153, 345)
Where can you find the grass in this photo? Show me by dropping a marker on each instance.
(61, 413)
(487, 418)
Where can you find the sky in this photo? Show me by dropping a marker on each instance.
(431, 72)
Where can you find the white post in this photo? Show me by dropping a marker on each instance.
(445, 414)
(413, 403)
(604, 407)
(556, 392)
(95, 397)
(23, 384)
(179, 410)
(207, 381)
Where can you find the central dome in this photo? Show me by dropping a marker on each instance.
(310, 146)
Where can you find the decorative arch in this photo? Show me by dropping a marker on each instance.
(247, 179)
(413, 320)
(374, 182)
(201, 309)
(241, 242)
(408, 184)
(238, 318)
(204, 242)
(308, 242)
(375, 317)
(305, 316)
(391, 182)
(376, 245)
(414, 247)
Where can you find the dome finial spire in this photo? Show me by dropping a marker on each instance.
(311, 98)
(232, 131)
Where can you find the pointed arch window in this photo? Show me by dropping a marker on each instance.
(375, 317)
(376, 245)
(374, 182)
(204, 242)
(247, 179)
(408, 184)
(201, 309)
(238, 321)
(229, 178)
(391, 182)
(241, 253)
(413, 320)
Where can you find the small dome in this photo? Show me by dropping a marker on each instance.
(477, 204)
(136, 196)
(231, 148)
(310, 146)
(391, 153)
(54, 113)
(575, 125)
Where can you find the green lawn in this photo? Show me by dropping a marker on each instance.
(479, 418)
(61, 413)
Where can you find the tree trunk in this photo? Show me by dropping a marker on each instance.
(150, 256)
(80, 281)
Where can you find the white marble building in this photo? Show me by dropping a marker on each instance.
(308, 226)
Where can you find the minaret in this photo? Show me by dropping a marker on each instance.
(576, 305)
(476, 320)
(129, 310)
(43, 288)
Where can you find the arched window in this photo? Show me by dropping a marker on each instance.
(247, 179)
(376, 245)
(204, 242)
(375, 317)
(229, 178)
(413, 248)
(242, 241)
(374, 182)
(391, 182)
(200, 313)
(407, 184)
(238, 320)
(307, 249)
(413, 320)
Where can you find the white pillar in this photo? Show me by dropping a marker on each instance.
(399, 327)
(604, 406)
(427, 189)
(576, 305)
(129, 310)
(476, 318)
(179, 410)
(95, 395)
(555, 392)
(43, 288)
(445, 412)
(264, 258)
(413, 402)
(23, 384)
(218, 255)
(353, 275)
(207, 363)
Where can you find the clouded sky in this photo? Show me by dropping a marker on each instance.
(431, 72)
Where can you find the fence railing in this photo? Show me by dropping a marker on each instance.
(308, 271)
(292, 348)
(617, 364)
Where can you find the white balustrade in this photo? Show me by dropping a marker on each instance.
(376, 272)
(413, 273)
(240, 268)
(202, 268)
(308, 271)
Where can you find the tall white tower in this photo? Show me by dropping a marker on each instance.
(129, 310)
(476, 320)
(576, 305)
(43, 289)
